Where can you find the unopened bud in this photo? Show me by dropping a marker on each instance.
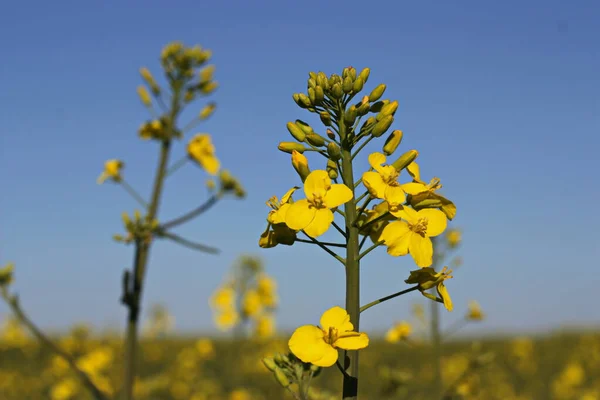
(282, 378)
(319, 95)
(377, 93)
(322, 80)
(311, 95)
(382, 126)
(368, 124)
(325, 118)
(405, 159)
(332, 169)
(126, 219)
(300, 164)
(269, 363)
(364, 74)
(392, 142)
(378, 106)
(358, 85)
(336, 91)
(296, 132)
(315, 139)
(347, 85)
(388, 109)
(304, 100)
(312, 83)
(207, 110)
(334, 152)
(350, 115)
(363, 109)
(330, 134)
(144, 96)
(206, 74)
(306, 128)
(288, 147)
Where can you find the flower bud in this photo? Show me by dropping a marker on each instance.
(311, 95)
(350, 115)
(332, 169)
(377, 93)
(288, 147)
(382, 126)
(336, 91)
(144, 96)
(392, 142)
(333, 79)
(363, 109)
(6, 274)
(282, 378)
(269, 363)
(358, 85)
(300, 164)
(368, 124)
(405, 159)
(315, 139)
(206, 74)
(312, 83)
(378, 106)
(322, 80)
(333, 150)
(330, 134)
(388, 109)
(207, 110)
(319, 95)
(296, 132)
(347, 85)
(325, 118)
(364, 75)
(306, 128)
(304, 100)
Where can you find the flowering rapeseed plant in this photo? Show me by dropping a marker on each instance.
(405, 218)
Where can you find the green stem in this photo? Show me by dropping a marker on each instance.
(331, 253)
(323, 243)
(175, 167)
(189, 244)
(367, 251)
(133, 193)
(362, 209)
(362, 196)
(363, 241)
(386, 298)
(436, 336)
(192, 214)
(455, 327)
(336, 226)
(361, 147)
(350, 382)
(46, 341)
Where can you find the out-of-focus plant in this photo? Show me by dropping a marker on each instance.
(404, 218)
(246, 302)
(160, 322)
(187, 76)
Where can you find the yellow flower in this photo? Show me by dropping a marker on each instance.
(112, 170)
(413, 235)
(314, 214)
(265, 326)
(475, 313)
(420, 191)
(399, 331)
(223, 298)
(240, 394)
(453, 237)
(427, 278)
(318, 345)
(205, 348)
(383, 184)
(279, 208)
(201, 150)
(226, 319)
(251, 304)
(266, 288)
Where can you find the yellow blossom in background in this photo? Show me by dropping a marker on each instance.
(475, 313)
(205, 348)
(201, 150)
(318, 345)
(453, 237)
(112, 170)
(144, 95)
(226, 319)
(383, 184)
(265, 326)
(413, 234)
(266, 287)
(251, 303)
(313, 214)
(427, 279)
(398, 332)
(64, 390)
(13, 334)
(223, 298)
(240, 394)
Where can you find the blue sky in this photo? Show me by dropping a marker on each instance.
(502, 100)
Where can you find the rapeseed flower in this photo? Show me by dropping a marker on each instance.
(318, 345)
(112, 170)
(201, 150)
(427, 279)
(383, 184)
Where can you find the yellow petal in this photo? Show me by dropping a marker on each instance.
(352, 341)
(394, 195)
(337, 195)
(407, 213)
(329, 358)
(414, 188)
(374, 184)
(375, 160)
(421, 250)
(210, 164)
(307, 343)
(399, 247)
(393, 231)
(414, 171)
(286, 197)
(299, 215)
(317, 183)
(338, 318)
(436, 221)
(443, 292)
(278, 216)
(320, 224)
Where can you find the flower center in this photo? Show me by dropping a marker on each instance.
(331, 336)
(390, 175)
(274, 203)
(434, 184)
(317, 201)
(420, 227)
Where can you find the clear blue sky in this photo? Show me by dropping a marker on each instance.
(502, 100)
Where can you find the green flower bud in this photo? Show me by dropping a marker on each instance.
(377, 93)
(336, 91)
(322, 80)
(269, 363)
(330, 134)
(333, 79)
(312, 75)
(306, 128)
(382, 126)
(118, 238)
(312, 83)
(332, 169)
(388, 109)
(296, 132)
(289, 147)
(207, 111)
(300, 164)
(311, 95)
(368, 124)
(345, 72)
(405, 159)
(334, 152)
(350, 115)
(319, 95)
(315, 139)
(392, 142)
(352, 72)
(364, 74)
(304, 100)
(282, 378)
(325, 118)
(358, 85)
(347, 85)
(363, 109)
(378, 106)
(296, 97)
